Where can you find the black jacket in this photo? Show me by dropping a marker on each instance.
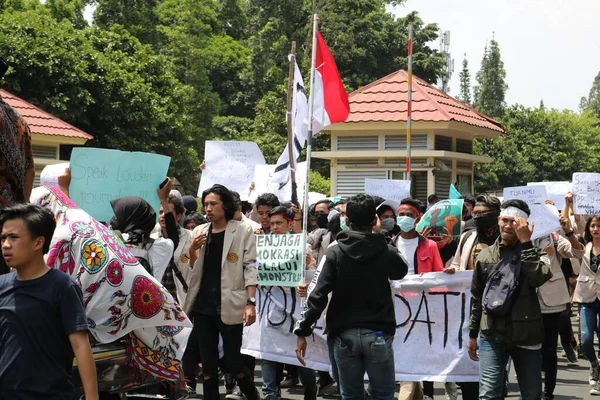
(357, 270)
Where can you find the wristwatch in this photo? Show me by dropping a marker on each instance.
(251, 301)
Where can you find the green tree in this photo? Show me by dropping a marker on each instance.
(465, 83)
(490, 93)
(592, 102)
(318, 183)
(137, 16)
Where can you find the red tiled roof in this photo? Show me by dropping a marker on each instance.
(386, 100)
(40, 121)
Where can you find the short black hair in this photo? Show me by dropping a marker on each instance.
(492, 202)
(325, 201)
(246, 206)
(287, 212)
(177, 203)
(39, 221)
(225, 196)
(195, 217)
(432, 197)
(361, 211)
(469, 199)
(236, 199)
(384, 208)
(520, 204)
(267, 199)
(418, 205)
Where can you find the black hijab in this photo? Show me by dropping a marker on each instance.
(134, 216)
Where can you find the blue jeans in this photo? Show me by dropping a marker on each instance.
(590, 321)
(355, 353)
(492, 369)
(271, 378)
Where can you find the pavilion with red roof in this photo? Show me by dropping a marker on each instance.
(52, 138)
(372, 141)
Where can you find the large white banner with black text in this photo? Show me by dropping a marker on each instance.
(432, 317)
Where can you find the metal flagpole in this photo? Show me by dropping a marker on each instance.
(409, 104)
(290, 101)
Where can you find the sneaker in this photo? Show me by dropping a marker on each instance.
(570, 354)
(593, 375)
(324, 384)
(229, 384)
(236, 394)
(451, 391)
(289, 382)
(596, 389)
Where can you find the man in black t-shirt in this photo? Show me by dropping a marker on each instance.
(42, 317)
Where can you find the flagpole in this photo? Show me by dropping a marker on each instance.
(409, 103)
(290, 132)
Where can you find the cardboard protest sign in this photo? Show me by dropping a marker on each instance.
(556, 191)
(101, 175)
(50, 174)
(529, 194)
(431, 338)
(231, 164)
(545, 220)
(586, 187)
(388, 188)
(280, 259)
(444, 216)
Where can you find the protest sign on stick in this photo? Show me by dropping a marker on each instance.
(556, 191)
(586, 187)
(443, 217)
(545, 220)
(280, 259)
(529, 194)
(231, 164)
(388, 189)
(101, 175)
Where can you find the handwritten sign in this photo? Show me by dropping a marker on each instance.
(388, 189)
(443, 217)
(230, 164)
(586, 187)
(556, 191)
(280, 259)
(529, 194)
(100, 175)
(431, 338)
(545, 220)
(50, 174)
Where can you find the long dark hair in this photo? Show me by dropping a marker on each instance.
(225, 196)
(587, 236)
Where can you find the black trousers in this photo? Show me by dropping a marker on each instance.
(549, 357)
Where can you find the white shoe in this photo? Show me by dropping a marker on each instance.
(451, 391)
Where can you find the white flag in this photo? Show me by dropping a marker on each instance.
(299, 117)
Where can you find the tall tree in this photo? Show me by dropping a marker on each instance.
(490, 93)
(465, 83)
(592, 102)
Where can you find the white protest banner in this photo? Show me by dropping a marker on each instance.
(432, 318)
(529, 194)
(545, 220)
(101, 175)
(51, 172)
(280, 259)
(263, 183)
(556, 191)
(388, 189)
(230, 163)
(586, 187)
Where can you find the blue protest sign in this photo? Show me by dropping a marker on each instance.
(454, 194)
(101, 175)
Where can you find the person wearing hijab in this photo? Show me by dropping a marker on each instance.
(134, 219)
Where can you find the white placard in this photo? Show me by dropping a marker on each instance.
(432, 318)
(545, 220)
(556, 191)
(529, 194)
(586, 187)
(51, 172)
(388, 189)
(263, 183)
(231, 164)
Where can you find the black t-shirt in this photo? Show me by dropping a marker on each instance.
(36, 319)
(208, 301)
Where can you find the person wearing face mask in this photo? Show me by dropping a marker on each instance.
(387, 218)
(421, 254)
(319, 239)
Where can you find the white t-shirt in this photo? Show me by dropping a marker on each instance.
(407, 249)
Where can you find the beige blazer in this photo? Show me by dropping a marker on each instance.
(238, 271)
(461, 258)
(588, 282)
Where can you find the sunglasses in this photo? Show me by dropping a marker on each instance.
(594, 265)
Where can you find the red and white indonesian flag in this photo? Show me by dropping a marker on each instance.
(330, 98)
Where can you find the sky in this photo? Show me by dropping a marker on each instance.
(550, 48)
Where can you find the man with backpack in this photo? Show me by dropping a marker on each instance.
(505, 310)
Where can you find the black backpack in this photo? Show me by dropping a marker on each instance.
(502, 283)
